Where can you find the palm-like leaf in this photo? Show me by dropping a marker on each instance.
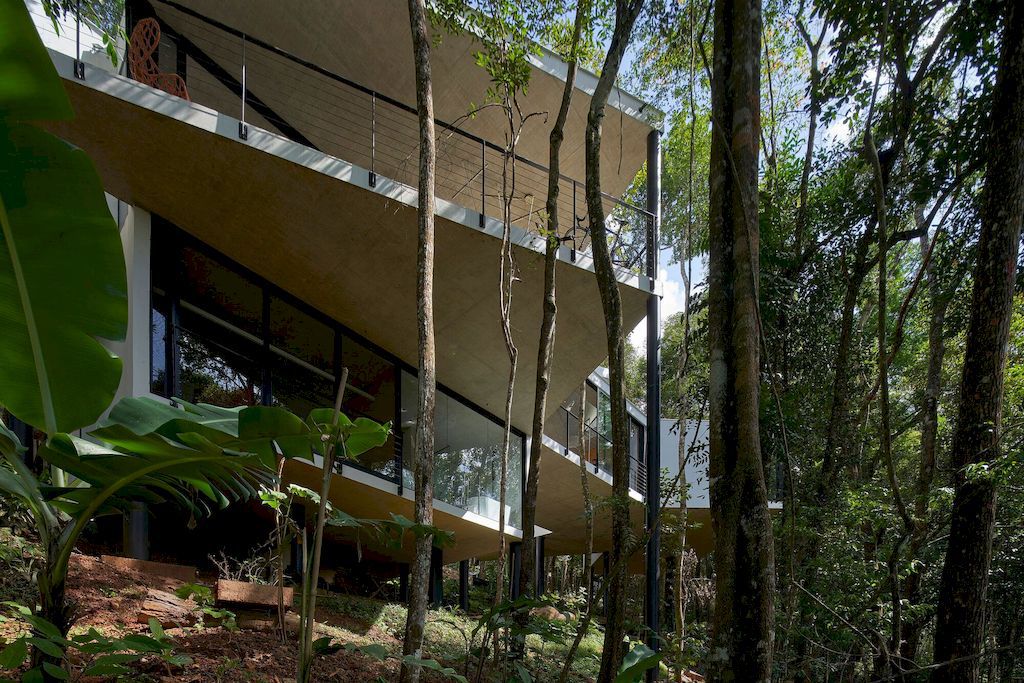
(265, 431)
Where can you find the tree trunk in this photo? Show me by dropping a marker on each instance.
(938, 302)
(626, 12)
(423, 440)
(528, 577)
(312, 577)
(960, 621)
(587, 568)
(742, 627)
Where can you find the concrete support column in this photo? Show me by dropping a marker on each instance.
(464, 585)
(136, 531)
(538, 562)
(653, 449)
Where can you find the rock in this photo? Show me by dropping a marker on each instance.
(547, 612)
(263, 622)
(167, 608)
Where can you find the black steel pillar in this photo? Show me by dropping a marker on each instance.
(515, 566)
(464, 585)
(436, 577)
(605, 576)
(403, 582)
(653, 450)
(136, 531)
(539, 587)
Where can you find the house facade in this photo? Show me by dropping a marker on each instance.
(260, 159)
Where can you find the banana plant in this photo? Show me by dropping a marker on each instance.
(270, 434)
(63, 294)
(103, 480)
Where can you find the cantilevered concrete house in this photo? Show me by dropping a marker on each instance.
(261, 156)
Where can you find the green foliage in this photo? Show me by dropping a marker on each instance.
(95, 655)
(102, 16)
(20, 559)
(636, 663)
(205, 602)
(56, 236)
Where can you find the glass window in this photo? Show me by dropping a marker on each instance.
(300, 389)
(158, 380)
(636, 440)
(467, 456)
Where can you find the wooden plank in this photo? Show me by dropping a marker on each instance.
(172, 571)
(247, 593)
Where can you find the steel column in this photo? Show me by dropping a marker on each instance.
(464, 585)
(136, 531)
(653, 450)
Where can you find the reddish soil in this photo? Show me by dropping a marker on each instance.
(110, 598)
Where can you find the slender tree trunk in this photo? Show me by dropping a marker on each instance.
(309, 586)
(553, 240)
(938, 303)
(960, 621)
(588, 567)
(423, 440)
(626, 12)
(743, 624)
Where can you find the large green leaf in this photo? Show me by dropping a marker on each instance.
(62, 272)
(156, 469)
(30, 88)
(637, 662)
(62, 283)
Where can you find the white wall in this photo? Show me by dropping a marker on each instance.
(696, 467)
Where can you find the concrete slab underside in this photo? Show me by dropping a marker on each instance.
(346, 250)
(560, 507)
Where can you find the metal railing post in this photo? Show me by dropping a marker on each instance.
(243, 129)
(79, 64)
(483, 182)
(373, 139)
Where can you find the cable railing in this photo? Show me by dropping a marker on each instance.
(270, 88)
(593, 448)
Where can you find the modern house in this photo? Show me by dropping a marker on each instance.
(260, 158)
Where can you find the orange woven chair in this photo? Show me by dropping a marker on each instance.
(143, 68)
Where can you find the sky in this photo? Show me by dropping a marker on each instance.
(672, 294)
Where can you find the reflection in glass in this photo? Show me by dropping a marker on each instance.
(300, 389)
(467, 456)
(158, 341)
(218, 366)
(220, 291)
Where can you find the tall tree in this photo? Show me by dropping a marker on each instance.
(423, 440)
(552, 240)
(960, 621)
(626, 12)
(743, 626)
